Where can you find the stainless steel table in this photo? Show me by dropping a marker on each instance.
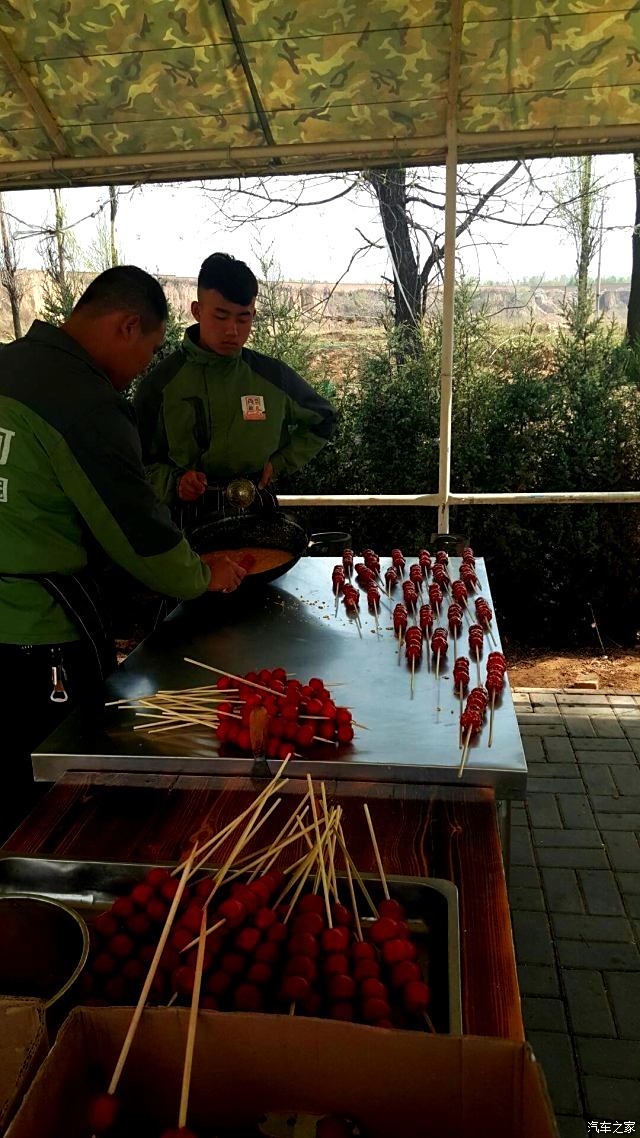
(292, 623)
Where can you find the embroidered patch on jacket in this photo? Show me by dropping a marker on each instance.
(253, 407)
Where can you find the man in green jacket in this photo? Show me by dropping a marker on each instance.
(71, 474)
(214, 410)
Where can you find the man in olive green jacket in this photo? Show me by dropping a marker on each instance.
(70, 473)
(215, 410)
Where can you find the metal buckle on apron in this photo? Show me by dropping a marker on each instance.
(58, 676)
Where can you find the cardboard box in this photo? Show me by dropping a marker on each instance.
(23, 1046)
(397, 1084)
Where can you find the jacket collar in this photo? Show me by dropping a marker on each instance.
(54, 337)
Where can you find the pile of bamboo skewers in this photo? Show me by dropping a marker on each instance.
(314, 821)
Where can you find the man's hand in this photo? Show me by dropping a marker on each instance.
(267, 475)
(191, 485)
(226, 574)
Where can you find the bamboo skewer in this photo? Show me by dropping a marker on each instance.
(211, 929)
(376, 850)
(214, 842)
(323, 875)
(229, 675)
(493, 705)
(413, 673)
(199, 720)
(272, 851)
(191, 1028)
(291, 823)
(178, 726)
(333, 884)
(465, 752)
(302, 880)
(250, 829)
(305, 834)
(478, 666)
(356, 873)
(489, 632)
(352, 892)
(142, 998)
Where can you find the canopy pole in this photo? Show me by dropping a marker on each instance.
(234, 161)
(35, 100)
(448, 291)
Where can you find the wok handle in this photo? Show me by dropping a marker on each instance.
(332, 543)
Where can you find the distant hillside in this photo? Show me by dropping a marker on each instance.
(353, 304)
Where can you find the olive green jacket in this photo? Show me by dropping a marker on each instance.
(226, 416)
(71, 468)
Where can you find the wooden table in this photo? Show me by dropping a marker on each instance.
(154, 818)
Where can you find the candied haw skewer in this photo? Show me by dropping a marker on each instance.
(391, 578)
(373, 599)
(413, 650)
(441, 577)
(416, 576)
(468, 575)
(435, 597)
(398, 561)
(484, 616)
(439, 643)
(454, 620)
(476, 644)
(496, 668)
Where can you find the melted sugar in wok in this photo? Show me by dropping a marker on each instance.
(256, 559)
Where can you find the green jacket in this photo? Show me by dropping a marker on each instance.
(70, 466)
(192, 415)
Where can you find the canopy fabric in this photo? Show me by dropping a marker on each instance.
(95, 91)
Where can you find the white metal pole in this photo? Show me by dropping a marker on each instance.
(448, 292)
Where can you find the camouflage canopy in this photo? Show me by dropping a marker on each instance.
(140, 90)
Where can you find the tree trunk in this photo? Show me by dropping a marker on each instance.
(633, 310)
(59, 232)
(113, 209)
(390, 187)
(585, 243)
(9, 273)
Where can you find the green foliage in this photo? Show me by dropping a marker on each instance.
(529, 414)
(59, 300)
(280, 327)
(60, 253)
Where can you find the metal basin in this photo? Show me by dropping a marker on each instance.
(44, 947)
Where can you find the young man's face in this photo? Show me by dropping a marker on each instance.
(224, 326)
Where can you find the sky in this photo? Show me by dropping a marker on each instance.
(168, 229)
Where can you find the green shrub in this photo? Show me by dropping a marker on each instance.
(529, 414)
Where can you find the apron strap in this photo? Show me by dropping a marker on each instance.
(79, 597)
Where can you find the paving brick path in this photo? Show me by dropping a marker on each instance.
(575, 902)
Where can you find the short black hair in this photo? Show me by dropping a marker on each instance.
(126, 288)
(230, 277)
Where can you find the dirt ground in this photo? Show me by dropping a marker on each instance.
(618, 671)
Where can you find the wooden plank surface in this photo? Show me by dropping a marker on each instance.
(156, 818)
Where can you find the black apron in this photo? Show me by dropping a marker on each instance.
(79, 596)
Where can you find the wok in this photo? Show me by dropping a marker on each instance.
(276, 530)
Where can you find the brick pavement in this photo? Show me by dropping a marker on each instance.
(575, 901)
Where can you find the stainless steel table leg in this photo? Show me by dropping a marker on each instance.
(504, 821)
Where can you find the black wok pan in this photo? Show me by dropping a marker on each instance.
(275, 530)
